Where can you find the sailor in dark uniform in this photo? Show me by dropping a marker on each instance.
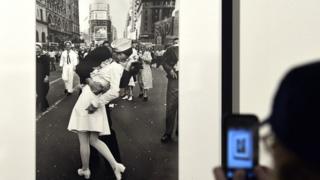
(170, 65)
(42, 78)
(84, 68)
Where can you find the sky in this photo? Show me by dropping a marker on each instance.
(118, 12)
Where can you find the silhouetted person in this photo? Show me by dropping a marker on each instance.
(295, 123)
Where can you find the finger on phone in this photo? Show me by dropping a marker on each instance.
(219, 173)
(263, 173)
(239, 175)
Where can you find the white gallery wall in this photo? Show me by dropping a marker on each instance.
(200, 79)
(199, 134)
(275, 35)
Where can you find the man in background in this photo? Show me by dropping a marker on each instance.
(42, 78)
(170, 65)
(52, 55)
(68, 62)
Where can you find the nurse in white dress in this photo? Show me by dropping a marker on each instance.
(89, 119)
(129, 89)
(145, 75)
(68, 62)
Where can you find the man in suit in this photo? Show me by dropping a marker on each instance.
(42, 78)
(170, 65)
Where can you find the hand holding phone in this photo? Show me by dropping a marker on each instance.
(240, 147)
(261, 172)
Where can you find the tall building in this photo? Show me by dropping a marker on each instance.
(41, 22)
(63, 21)
(73, 17)
(114, 33)
(100, 21)
(130, 31)
(148, 12)
(166, 30)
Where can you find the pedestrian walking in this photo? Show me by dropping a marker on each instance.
(145, 75)
(52, 55)
(134, 57)
(58, 55)
(68, 62)
(81, 53)
(170, 65)
(42, 78)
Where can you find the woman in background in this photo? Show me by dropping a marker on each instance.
(145, 75)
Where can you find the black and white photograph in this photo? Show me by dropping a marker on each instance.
(107, 75)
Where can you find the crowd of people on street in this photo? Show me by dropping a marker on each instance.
(107, 71)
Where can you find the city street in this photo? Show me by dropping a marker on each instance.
(138, 125)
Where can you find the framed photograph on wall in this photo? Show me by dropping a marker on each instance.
(83, 45)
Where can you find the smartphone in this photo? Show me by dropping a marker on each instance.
(240, 144)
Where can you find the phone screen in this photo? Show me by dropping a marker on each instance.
(240, 149)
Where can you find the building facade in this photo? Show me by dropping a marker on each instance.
(41, 22)
(100, 27)
(131, 30)
(149, 12)
(57, 21)
(166, 30)
(114, 33)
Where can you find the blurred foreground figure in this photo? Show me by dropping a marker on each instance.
(295, 122)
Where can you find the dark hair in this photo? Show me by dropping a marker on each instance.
(127, 52)
(297, 170)
(93, 59)
(106, 41)
(39, 46)
(292, 167)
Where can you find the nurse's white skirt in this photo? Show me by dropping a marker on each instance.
(81, 121)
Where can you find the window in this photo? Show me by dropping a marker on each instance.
(37, 36)
(66, 26)
(41, 15)
(49, 19)
(43, 37)
(38, 14)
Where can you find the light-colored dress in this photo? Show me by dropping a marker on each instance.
(145, 74)
(80, 120)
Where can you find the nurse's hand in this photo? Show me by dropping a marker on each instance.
(46, 79)
(94, 86)
(91, 109)
(105, 88)
(173, 74)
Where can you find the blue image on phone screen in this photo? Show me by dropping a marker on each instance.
(240, 148)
